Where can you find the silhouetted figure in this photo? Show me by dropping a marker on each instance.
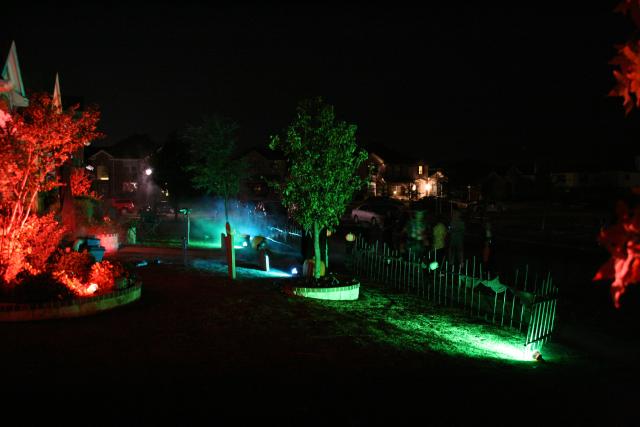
(456, 240)
(487, 250)
(439, 238)
(306, 246)
(417, 238)
(398, 233)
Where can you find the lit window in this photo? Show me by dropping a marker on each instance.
(129, 187)
(102, 173)
(420, 170)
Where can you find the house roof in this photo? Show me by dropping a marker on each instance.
(264, 151)
(136, 146)
(387, 154)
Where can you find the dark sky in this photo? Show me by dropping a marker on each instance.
(498, 80)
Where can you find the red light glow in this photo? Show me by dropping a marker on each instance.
(622, 240)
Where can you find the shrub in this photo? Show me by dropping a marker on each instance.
(29, 248)
(104, 274)
(73, 264)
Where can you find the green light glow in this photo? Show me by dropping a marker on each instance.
(276, 273)
(471, 340)
(242, 272)
(412, 324)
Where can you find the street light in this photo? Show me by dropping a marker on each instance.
(148, 171)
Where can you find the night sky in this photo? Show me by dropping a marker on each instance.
(504, 81)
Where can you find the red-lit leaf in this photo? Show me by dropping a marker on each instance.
(81, 184)
(606, 272)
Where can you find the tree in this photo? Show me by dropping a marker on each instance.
(323, 160)
(213, 169)
(627, 61)
(168, 171)
(34, 142)
(622, 239)
(81, 183)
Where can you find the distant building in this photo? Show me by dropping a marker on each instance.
(263, 165)
(616, 179)
(411, 179)
(570, 180)
(610, 179)
(123, 170)
(401, 176)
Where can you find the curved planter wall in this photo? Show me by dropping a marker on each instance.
(340, 293)
(75, 308)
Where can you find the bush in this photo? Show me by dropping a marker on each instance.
(74, 264)
(29, 249)
(104, 274)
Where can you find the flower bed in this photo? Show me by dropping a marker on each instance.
(78, 307)
(327, 288)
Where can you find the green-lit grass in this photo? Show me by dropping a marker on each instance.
(409, 323)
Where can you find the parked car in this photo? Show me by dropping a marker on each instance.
(384, 201)
(164, 208)
(372, 214)
(123, 205)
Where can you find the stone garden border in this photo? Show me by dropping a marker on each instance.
(338, 293)
(78, 307)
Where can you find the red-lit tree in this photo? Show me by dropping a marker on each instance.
(622, 239)
(81, 184)
(34, 141)
(627, 61)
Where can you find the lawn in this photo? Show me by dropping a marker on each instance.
(195, 339)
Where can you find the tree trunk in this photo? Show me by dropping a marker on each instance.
(231, 252)
(67, 208)
(316, 251)
(326, 250)
(188, 228)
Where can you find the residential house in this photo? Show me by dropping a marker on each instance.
(263, 165)
(401, 177)
(594, 179)
(412, 180)
(124, 170)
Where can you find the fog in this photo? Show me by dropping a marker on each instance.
(208, 223)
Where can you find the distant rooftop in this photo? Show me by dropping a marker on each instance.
(264, 151)
(136, 146)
